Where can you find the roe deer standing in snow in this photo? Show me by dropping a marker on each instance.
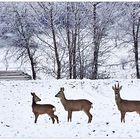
(125, 105)
(39, 109)
(75, 105)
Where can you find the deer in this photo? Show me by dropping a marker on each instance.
(125, 106)
(39, 109)
(74, 105)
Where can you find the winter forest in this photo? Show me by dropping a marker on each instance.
(82, 57)
(71, 40)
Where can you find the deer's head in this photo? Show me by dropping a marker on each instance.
(117, 89)
(60, 94)
(35, 97)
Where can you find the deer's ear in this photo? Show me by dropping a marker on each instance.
(120, 87)
(113, 88)
(62, 89)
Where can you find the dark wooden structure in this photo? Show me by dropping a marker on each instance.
(14, 75)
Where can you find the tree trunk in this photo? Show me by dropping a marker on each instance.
(74, 56)
(69, 42)
(33, 69)
(81, 63)
(32, 63)
(55, 46)
(74, 38)
(136, 24)
(95, 62)
(136, 59)
(96, 46)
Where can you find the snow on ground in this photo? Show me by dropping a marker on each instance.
(17, 119)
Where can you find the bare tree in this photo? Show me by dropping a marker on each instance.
(20, 25)
(130, 30)
(49, 16)
(135, 30)
(102, 19)
(72, 27)
(96, 41)
(25, 35)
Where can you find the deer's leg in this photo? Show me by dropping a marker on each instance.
(53, 120)
(89, 115)
(123, 116)
(69, 115)
(54, 116)
(36, 116)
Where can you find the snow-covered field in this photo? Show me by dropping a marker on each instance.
(17, 119)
